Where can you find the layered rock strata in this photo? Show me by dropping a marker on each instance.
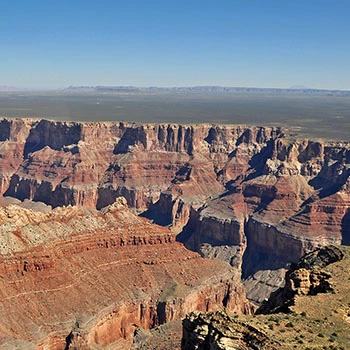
(90, 164)
(75, 277)
(252, 196)
(220, 331)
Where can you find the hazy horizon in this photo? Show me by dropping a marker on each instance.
(12, 88)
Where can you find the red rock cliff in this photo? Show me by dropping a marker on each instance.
(244, 194)
(101, 274)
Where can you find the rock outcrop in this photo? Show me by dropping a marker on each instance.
(91, 164)
(219, 331)
(315, 300)
(74, 277)
(304, 278)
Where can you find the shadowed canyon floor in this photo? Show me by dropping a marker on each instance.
(252, 199)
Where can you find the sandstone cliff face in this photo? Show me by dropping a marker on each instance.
(13, 134)
(292, 197)
(91, 278)
(62, 163)
(251, 196)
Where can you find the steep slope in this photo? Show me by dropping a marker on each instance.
(78, 277)
(315, 300)
(90, 164)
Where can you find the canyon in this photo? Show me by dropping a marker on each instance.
(111, 227)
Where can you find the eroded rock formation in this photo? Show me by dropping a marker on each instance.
(220, 331)
(76, 276)
(254, 197)
(304, 278)
(312, 309)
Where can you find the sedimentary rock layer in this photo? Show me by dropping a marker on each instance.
(78, 277)
(252, 196)
(90, 164)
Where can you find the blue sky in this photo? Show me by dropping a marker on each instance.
(48, 44)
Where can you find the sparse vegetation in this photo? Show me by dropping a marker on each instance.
(317, 322)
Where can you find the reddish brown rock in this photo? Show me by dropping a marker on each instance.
(253, 196)
(74, 276)
(93, 163)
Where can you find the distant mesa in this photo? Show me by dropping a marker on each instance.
(7, 88)
(292, 89)
(204, 89)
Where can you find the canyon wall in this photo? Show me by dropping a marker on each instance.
(90, 164)
(78, 276)
(255, 197)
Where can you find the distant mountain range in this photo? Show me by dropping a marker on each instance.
(293, 89)
(7, 88)
(101, 88)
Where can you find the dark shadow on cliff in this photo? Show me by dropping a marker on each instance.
(186, 233)
(255, 258)
(325, 188)
(345, 228)
(190, 238)
(130, 138)
(56, 135)
(44, 192)
(330, 179)
(258, 161)
(5, 130)
(157, 215)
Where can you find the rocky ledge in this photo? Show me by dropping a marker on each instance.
(304, 278)
(310, 312)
